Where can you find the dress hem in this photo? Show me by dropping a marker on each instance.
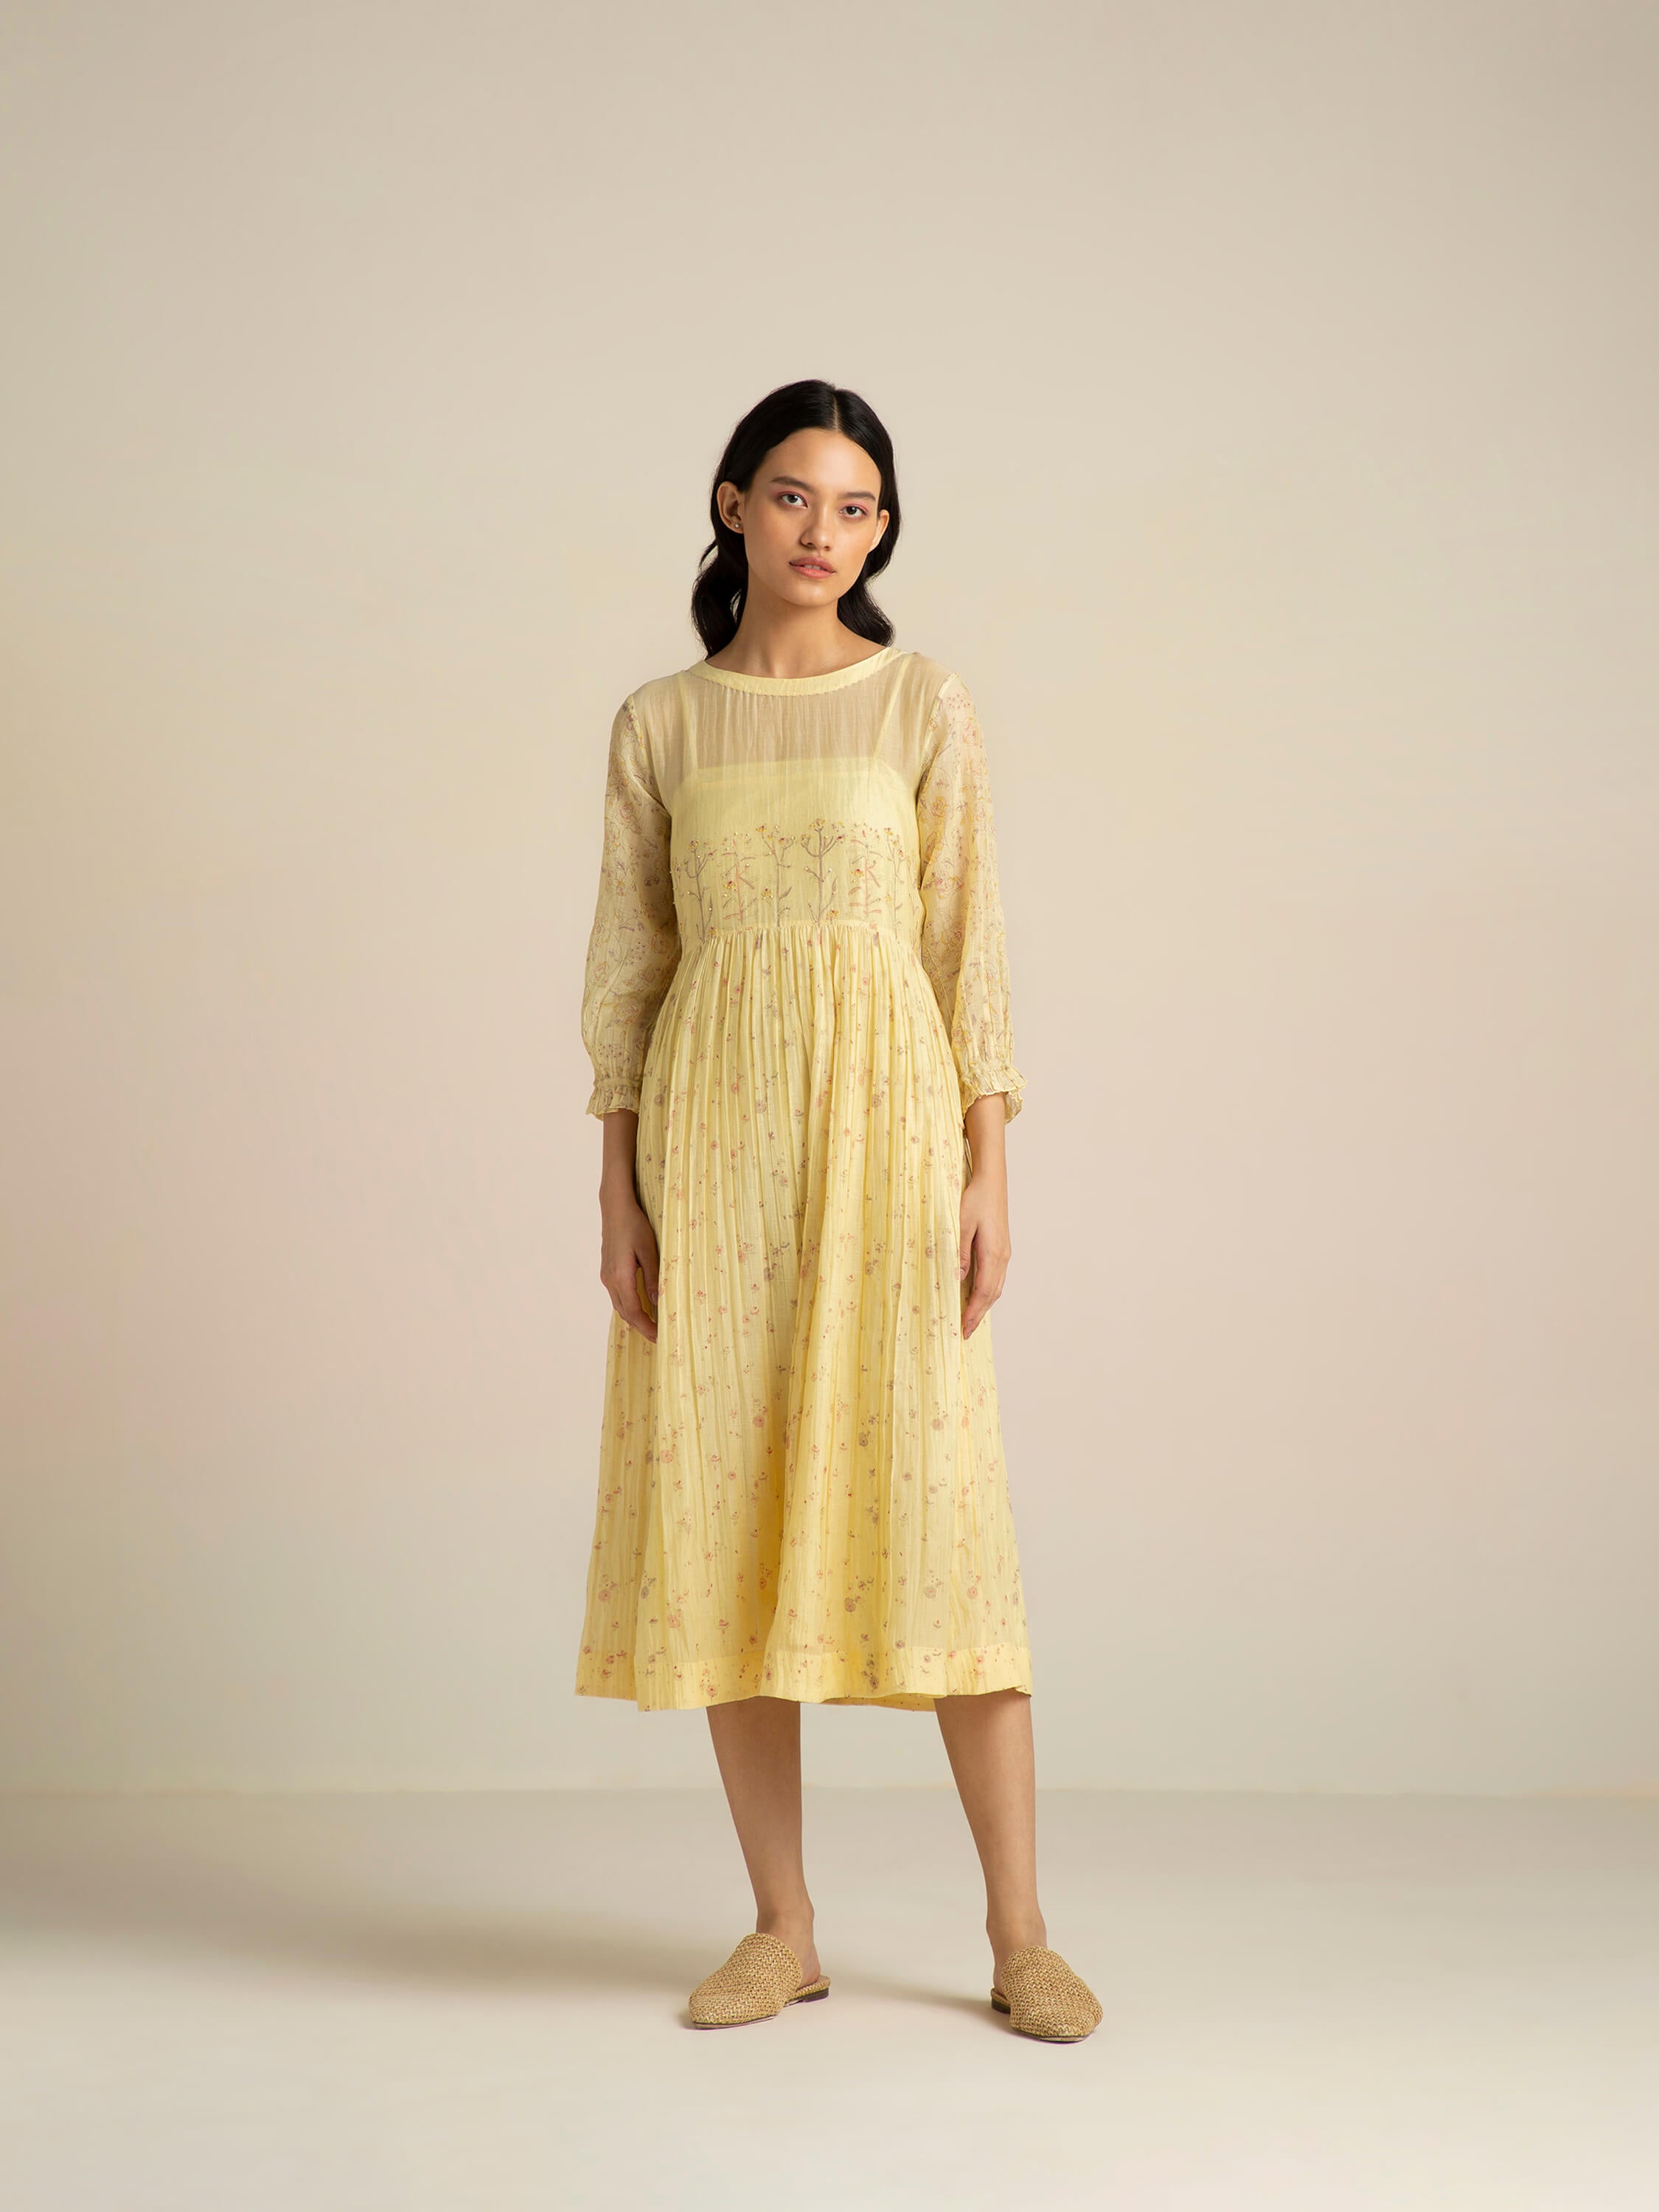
(907, 1683)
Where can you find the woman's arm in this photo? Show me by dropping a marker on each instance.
(964, 953)
(633, 953)
(628, 1247)
(634, 946)
(964, 946)
(984, 1231)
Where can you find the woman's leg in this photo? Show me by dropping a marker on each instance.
(987, 1739)
(757, 1745)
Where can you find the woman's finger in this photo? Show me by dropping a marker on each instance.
(625, 1297)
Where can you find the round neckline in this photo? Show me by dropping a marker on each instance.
(832, 680)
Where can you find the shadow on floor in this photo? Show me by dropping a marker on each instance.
(154, 1901)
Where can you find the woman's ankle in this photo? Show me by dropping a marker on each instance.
(787, 1921)
(1021, 1930)
(793, 1925)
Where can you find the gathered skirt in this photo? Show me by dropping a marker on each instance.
(802, 1492)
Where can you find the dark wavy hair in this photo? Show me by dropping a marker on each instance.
(722, 582)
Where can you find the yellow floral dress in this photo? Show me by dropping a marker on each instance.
(798, 977)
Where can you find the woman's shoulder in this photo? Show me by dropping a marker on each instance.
(929, 680)
(648, 701)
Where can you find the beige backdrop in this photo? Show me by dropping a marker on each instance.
(1273, 393)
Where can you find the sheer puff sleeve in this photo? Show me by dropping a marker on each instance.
(635, 944)
(964, 949)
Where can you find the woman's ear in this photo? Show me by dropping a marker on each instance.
(730, 502)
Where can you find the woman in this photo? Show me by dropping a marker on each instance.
(796, 1007)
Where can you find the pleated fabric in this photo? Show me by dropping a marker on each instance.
(797, 979)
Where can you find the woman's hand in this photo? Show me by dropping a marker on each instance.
(627, 1244)
(983, 1243)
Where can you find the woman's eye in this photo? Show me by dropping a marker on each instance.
(857, 514)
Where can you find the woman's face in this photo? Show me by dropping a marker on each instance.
(810, 519)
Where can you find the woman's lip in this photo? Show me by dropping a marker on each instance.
(813, 568)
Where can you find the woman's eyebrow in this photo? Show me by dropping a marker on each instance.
(801, 484)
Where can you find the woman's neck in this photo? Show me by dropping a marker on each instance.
(775, 640)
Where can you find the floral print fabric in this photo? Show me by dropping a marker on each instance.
(797, 976)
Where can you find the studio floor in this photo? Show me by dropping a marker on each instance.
(477, 2003)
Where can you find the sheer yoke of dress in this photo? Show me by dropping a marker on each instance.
(798, 977)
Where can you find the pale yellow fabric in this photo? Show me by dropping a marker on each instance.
(797, 976)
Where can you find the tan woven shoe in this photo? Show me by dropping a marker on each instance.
(761, 1977)
(1043, 1997)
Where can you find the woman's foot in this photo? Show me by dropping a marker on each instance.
(1028, 1932)
(795, 1929)
(1043, 1997)
(758, 1982)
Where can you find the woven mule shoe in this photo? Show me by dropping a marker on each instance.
(761, 1977)
(1043, 1997)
